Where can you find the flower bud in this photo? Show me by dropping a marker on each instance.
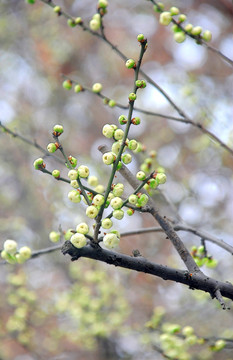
(122, 119)
(106, 223)
(161, 178)
(118, 189)
(54, 236)
(56, 174)
(142, 201)
(73, 174)
(94, 24)
(174, 10)
(108, 131)
(51, 147)
(78, 88)
(141, 175)
(196, 30)
(98, 200)
(126, 158)
(92, 180)
(91, 212)
(118, 134)
(67, 84)
(83, 171)
(25, 252)
(58, 129)
(136, 121)
(207, 36)
(97, 88)
(73, 161)
(165, 18)
(39, 163)
(111, 240)
(130, 63)
(130, 212)
(10, 246)
(74, 196)
(116, 203)
(71, 23)
(118, 214)
(133, 199)
(132, 97)
(82, 228)
(78, 240)
(112, 103)
(179, 37)
(109, 158)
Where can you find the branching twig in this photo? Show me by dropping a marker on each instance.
(193, 280)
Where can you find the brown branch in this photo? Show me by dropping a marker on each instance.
(193, 280)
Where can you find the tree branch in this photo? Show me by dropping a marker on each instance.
(194, 281)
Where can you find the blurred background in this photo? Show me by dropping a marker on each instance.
(48, 308)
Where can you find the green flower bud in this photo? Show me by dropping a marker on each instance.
(111, 240)
(51, 147)
(118, 214)
(116, 147)
(25, 252)
(142, 201)
(78, 88)
(174, 10)
(11, 259)
(179, 37)
(165, 18)
(140, 84)
(144, 167)
(116, 203)
(67, 84)
(133, 199)
(106, 223)
(112, 103)
(118, 189)
(102, 4)
(132, 97)
(39, 163)
(58, 130)
(118, 134)
(96, 17)
(98, 200)
(187, 331)
(126, 158)
(130, 63)
(182, 18)
(57, 10)
(73, 174)
(201, 250)
(122, 119)
(10, 246)
(94, 24)
(108, 131)
(73, 161)
(78, 20)
(82, 228)
(71, 23)
(74, 196)
(152, 183)
(219, 345)
(132, 145)
(97, 88)
(78, 240)
(56, 174)
(74, 184)
(92, 180)
(207, 36)
(68, 234)
(92, 212)
(188, 28)
(139, 148)
(196, 30)
(141, 38)
(109, 158)
(83, 171)
(130, 212)
(136, 121)
(141, 175)
(161, 178)
(54, 236)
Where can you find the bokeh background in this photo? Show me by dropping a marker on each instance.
(48, 308)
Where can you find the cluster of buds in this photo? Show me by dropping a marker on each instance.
(12, 255)
(201, 257)
(180, 31)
